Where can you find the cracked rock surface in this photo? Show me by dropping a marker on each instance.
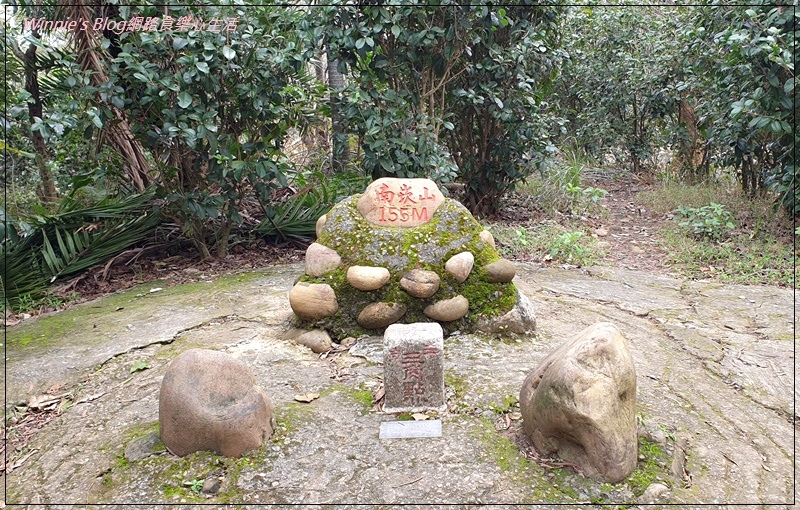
(714, 363)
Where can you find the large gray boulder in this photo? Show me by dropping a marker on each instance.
(580, 404)
(209, 401)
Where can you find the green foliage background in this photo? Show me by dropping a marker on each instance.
(477, 94)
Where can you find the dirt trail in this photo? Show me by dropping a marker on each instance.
(715, 372)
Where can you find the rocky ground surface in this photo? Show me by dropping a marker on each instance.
(715, 374)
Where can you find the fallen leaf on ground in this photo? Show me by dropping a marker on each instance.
(420, 416)
(54, 388)
(91, 397)
(139, 365)
(42, 401)
(308, 397)
(19, 462)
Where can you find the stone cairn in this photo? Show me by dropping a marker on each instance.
(403, 253)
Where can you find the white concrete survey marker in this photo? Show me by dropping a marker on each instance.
(409, 429)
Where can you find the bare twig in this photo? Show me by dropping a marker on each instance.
(20, 461)
(407, 483)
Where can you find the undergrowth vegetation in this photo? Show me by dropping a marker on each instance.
(561, 188)
(710, 230)
(714, 231)
(548, 242)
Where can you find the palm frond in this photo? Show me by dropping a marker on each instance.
(72, 240)
(76, 251)
(297, 217)
(22, 276)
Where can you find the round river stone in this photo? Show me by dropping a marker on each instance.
(317, 340)
(448, 310)
(311, 301)
(420, 283)
(501, 271)
(367, 277)
(321, 259)
(487, 238)
(321, 223)
(460, 265)
(380, 315)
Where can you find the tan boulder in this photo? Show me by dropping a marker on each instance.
(367, 278)
(317, 340)
(448, 309)
(321, 223)
(321, 260)
(580, 403)
(501, 271)
(209, 401)
(487, 238)
(311, 301)
(393, 202)
(420, 283)
(460, 265)
(380, 315)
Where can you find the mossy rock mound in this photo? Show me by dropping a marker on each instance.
(346, 239)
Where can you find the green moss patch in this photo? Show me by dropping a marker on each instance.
(651, 469)
(44, 331)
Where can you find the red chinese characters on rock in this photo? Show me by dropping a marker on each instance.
(414, 390)
(400, 202)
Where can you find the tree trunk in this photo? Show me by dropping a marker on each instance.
(637, 164)
(691, 156)
(224, 234)
(481, 204)
(340, 141)
(47, 191)
(316, 138)
(746, 174)
(118, 131)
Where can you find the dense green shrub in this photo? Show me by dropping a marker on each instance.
(450, 83)
(214, 109)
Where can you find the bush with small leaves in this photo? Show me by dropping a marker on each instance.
(712, 220)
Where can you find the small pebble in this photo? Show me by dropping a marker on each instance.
(211, 486)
